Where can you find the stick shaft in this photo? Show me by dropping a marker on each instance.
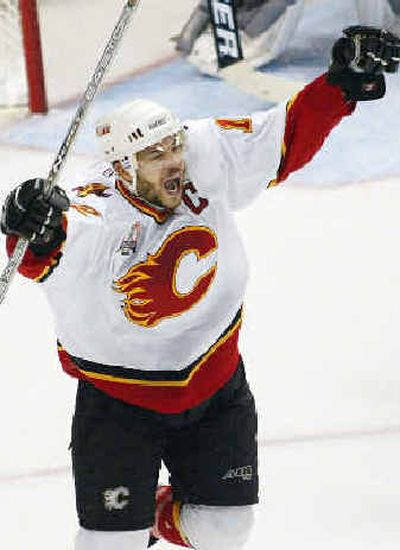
(223, 19)
(91, 90)
(98, 75)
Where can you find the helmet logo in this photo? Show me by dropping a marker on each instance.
(135, 135)
(157, 123)
(103, 130)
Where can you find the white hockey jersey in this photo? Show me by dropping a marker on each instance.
(147, 303)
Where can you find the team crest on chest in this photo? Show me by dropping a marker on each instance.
(150, 287)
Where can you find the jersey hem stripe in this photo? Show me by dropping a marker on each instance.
(182, 378)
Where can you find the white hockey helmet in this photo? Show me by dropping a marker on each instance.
(133, 127)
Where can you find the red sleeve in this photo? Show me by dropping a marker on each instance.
(38, 268)
(311, 116)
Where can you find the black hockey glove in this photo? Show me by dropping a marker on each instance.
(359, 60)
(27, 213)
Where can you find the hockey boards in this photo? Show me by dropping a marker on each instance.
(233, 68)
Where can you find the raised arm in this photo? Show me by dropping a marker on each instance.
(359, 60)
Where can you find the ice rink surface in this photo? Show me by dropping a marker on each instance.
(320, 336)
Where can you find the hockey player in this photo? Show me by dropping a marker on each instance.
(145, 272)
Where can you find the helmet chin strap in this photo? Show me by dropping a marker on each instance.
(130, 166)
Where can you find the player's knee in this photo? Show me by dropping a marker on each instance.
(217, 527)
(110, 540)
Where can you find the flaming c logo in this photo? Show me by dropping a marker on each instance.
(151, 286)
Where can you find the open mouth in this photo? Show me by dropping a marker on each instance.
(173, 186)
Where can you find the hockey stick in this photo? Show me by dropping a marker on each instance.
(233, 68)
(266, 86)
(228, 46)
(58, 163)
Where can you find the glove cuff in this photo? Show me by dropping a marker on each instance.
(41, 247)
(357, 86)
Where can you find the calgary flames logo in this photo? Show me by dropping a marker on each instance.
(97, 189)
(151, 286)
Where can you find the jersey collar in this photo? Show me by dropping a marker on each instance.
(160, 215)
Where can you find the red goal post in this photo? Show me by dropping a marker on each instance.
(33, 56)
(22, 81)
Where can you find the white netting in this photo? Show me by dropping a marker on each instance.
(13, 87)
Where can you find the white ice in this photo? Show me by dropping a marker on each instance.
(320, 341)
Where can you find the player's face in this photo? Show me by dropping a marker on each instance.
(161, 172)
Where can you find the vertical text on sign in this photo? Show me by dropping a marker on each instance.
(226, 32)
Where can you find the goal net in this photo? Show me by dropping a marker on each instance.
(21, 67)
